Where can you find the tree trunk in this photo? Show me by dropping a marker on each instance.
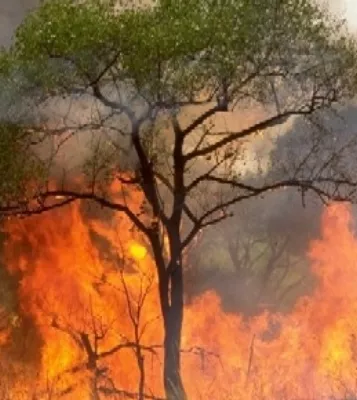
(141, 366)
(94, 395)
(172, 345)
(172, 308)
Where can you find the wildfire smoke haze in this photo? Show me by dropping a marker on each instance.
(97, 317)
(130, 145)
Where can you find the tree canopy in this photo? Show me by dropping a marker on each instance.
(172, 58)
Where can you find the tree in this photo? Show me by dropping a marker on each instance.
(161, 78)
(255, 261)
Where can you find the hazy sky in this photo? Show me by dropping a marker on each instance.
(351, 13)
(11, 14)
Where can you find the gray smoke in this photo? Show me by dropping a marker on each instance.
(278, 218)
(12, 12)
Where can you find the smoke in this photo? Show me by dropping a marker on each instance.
(346, 9)
(11, 15)
(278, 215)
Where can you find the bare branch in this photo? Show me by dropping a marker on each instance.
(277, 119)
(128, 345)
(202, 118)
(252, 191)
(72, 195)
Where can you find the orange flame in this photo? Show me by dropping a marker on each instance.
(92, 303)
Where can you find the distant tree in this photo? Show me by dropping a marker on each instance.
(254, 261)
(161, 77)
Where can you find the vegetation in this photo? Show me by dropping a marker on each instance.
(158, 79)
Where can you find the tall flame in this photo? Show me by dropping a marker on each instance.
(97, 311)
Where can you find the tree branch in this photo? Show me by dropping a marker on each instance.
(252, 191)
(278, 119)
(98, 199)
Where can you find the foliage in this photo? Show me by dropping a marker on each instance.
(70, 45)
(18, 164)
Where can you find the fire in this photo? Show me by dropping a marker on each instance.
(83, 298)
(137, 251)
(308, 354)
(89, 285)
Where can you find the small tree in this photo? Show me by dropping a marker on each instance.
(252, 264)
(160, 78)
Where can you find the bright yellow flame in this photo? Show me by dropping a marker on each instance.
(137, 251)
